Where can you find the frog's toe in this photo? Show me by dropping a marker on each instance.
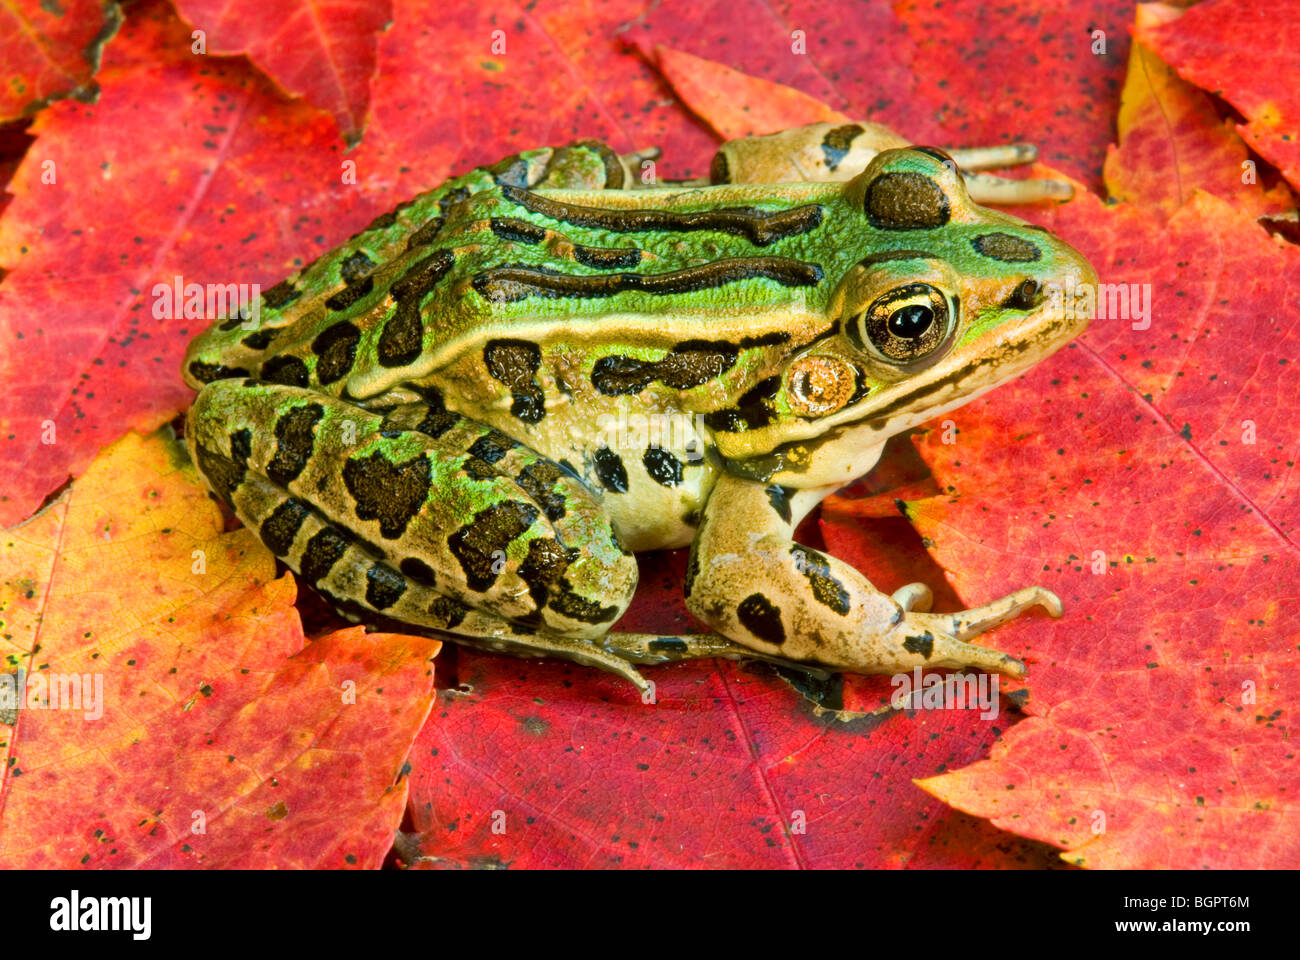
(929, 642)
(973, 622)
(986, 188)
(914, 597)
(993, 157)
(967, 655)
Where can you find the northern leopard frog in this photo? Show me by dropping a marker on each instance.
(470, 415)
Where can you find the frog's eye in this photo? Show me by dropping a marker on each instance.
(908, 323)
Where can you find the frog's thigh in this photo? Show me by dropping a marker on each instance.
(751, 582)
(820, 152)
(414, 514)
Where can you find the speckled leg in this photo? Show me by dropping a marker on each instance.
(418, 515)
(652, 648)
(750, 581)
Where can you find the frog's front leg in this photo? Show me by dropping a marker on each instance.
(751, 582)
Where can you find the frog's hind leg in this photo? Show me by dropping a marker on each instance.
(839, 152)
(654, 648)
(420, 516)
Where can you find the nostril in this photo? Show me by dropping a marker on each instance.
(1024, 296)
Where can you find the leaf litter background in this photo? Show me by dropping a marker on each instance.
(1158, 706)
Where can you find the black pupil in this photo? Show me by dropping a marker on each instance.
(911, 322)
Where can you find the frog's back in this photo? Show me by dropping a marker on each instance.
(483, 258)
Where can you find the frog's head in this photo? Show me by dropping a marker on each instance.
(955, 298)
(949, 300)
(952, 300)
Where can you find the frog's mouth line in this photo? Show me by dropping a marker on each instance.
(1000, 366)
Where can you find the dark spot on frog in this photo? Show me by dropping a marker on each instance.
(241, 445)
(287, 370)
(610, 470)
(426, 234)
(906, 201)
(280, 528)
(779, 497)
(517, 231)
(924, 644)
(668, 645)
(387, 492)
(479, 469)
(663, 468)
(690, 363)
(607, 258)
(350, 294)
(450, 612)
(384, 586)
(323, 550)
(492, 446)
(489, 533)
(816, 568)
(418, 571)
(336, 350)
(719, 169)
(515, 364)
(355, 266)
(381, 222)
(538, 481)
(1006, 248)
(402, 339)
(837, 143)
(437, 419)
(224, 475)
(761, 618)
(208, 372)
(280, 295)
(754, 409)
(692, 568)
(295, 439)
(543, 568)
(260, 339)
(575, 607)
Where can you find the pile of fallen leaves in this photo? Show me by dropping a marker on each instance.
(1146, 474)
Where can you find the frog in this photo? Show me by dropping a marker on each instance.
(470, 417)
